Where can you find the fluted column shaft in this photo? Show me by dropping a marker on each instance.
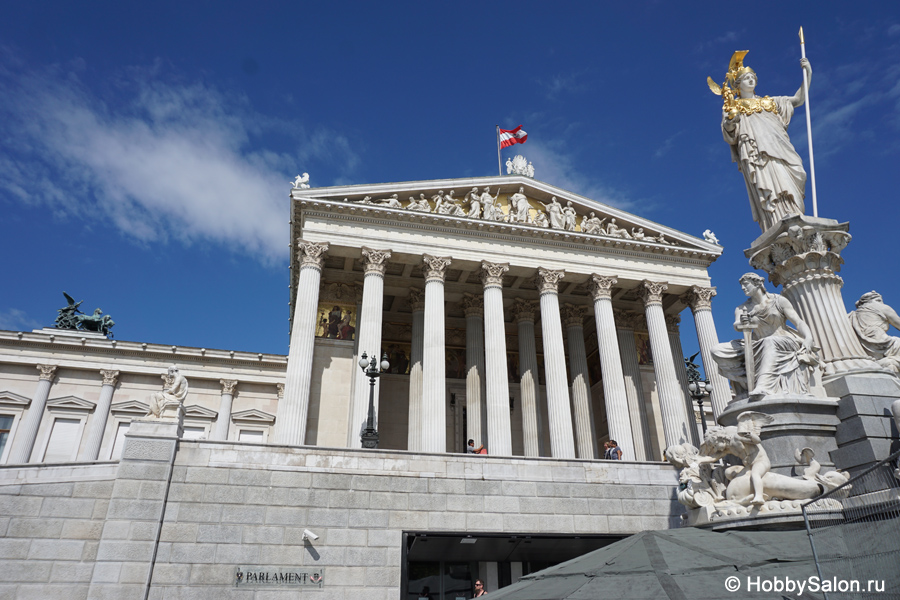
(528, 383)
(223, 420)
(614, 395)
(559, 414)
(672, 322)
(671, 401)
(434, 362)
(634, 389)
(496, 370)
(101, 414)
(375, 262)
(24, 443)
(473, 306)
(417, 303)
(700, 301)
(586, 441)
(290, 422)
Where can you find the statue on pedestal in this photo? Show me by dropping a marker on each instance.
(783, 358)
(168, 403)
(756, 130)
(871, 320)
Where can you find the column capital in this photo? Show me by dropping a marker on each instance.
(547, 280)
(700, 298)
(311, 254)
(435, 267)
(279, 387)
(109, 377)
(416, 299)
(672, 322)
(651, 292)
(228, 385)
(47, 371)
(492, 273)
(473, 306)
(572, 315)
(601, 286)
(375, 261)
(523, 310)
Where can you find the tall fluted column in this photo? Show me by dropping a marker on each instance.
(580, 387)
(24, 443)
(375, 262)
(473, 306)
(290, 422)
(700, 301)
(496, 370)
(615, 396)
(223, 420)
(672, 322)
(671, 401)
(434, 363)
(417, 304)
(101, 414)
(523, 311)
(634, 388)
(559, 414)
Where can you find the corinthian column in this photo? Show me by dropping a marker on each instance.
(671, 400)
(375, 262)
(523, 312)
(700, 301)
(634, 388)
(24, 443)
(580, 384)
(473, 306)
(614, 395)
(434, 389)
(499, 433)
(224, 418)
(101, 414)
(417, 304)
(559, 415)
(672, 322)
(290, 422)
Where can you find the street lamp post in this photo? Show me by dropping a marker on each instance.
(369, 435)
(698, 388)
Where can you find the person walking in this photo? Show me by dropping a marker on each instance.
(613, 452)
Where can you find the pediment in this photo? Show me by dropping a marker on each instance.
(70, 403)
(195, 411)
(11, 399)
(130, 407)
(253, 416)
(591, 223)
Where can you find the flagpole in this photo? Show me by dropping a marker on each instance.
(499, 168)
(812, 164)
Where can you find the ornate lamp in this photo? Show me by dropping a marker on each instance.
(371, 368)
(698, 388)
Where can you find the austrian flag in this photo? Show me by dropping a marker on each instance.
(508, 137)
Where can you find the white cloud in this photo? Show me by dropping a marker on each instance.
(161, 160)
(13, 319)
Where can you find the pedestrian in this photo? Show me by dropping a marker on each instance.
(471, 449)
(613, 452)
(479, 589)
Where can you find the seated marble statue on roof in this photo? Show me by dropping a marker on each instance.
(170, 401)
(871, 321)
(420, 205)
(592, 224)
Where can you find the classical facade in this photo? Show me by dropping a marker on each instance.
(532, 320)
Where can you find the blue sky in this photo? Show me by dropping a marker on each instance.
(145, 151)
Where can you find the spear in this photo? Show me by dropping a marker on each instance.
(812, 164)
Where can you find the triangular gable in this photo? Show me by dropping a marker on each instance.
(12, 399)
(71, 403)
(130, 407)
(377, 198)
(195, 411)
(253, 416)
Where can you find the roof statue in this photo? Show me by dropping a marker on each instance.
(710, 237)
(168, 404)
(69, 317)
(301, 182)
(756, 130)
(519, 165)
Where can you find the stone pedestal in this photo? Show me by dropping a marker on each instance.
(800, 422)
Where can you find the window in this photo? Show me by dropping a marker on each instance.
(193, 433)
(64, 438)
(248, 435)
(6, 422)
